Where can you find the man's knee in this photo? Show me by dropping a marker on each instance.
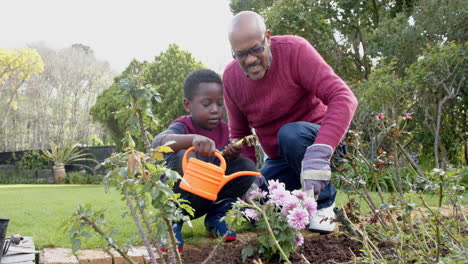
(295, 133)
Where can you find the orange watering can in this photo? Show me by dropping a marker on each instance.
(206, 179)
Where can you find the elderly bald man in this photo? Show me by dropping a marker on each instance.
(280, 87)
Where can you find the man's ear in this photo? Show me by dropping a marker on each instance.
(187, 105)
(268, 36)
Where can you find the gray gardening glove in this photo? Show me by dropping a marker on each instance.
(316, 171)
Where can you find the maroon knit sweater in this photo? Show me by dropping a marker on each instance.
(299, 86)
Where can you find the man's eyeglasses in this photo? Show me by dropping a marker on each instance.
(242, 55)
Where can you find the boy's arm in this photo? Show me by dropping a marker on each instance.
(180, 140)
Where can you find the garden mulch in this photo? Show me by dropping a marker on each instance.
(333, 248)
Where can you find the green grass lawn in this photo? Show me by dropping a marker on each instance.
(40, 210)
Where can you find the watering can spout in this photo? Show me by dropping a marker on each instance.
(231, 177)
(206, 179)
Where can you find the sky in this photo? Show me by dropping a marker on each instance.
(119, 30)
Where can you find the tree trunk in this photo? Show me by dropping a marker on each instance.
(59, 173)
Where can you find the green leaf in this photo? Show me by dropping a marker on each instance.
(86, 234)
(131, 143)
(248, 252)
(76, 244)
(154, 193)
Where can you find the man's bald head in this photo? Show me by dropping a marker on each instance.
(246, 21)
(250, 44)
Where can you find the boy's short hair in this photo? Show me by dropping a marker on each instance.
(199, 76)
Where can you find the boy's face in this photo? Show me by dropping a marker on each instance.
(207, 105)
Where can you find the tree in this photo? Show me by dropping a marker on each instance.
(55, 103)
(168, 72)
(110, 101)
(438, 80)
(249, 5)
(16, 67)
(402, 36)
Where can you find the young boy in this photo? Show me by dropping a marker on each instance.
(204, 129)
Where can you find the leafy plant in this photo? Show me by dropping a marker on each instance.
(419, 234)
(282, 216)
(66, 155)
(76, 177)
(142, 179)
(33, 160)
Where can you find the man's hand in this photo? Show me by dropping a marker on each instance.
(316, 171)
(203, 145)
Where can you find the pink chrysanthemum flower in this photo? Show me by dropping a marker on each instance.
(290, 203)
(279, 196)
(298, 218)
(299, 240)
(311, 207)
(299, 194)
(380, 116)
(252, 214)
(257, 194)
(275, 184)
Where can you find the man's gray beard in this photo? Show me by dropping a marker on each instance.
(267, 68)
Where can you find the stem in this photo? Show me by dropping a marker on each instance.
(441, 196)
(100, 232)
(141, 125)
(439, 222)
(173, 241)
(365, 238)
(379, 190)
(213, 252)
(367, 197)
(397, 170)
(148, 229)
(138, 224)
(400, 183)
(411, 160)
(283, 255)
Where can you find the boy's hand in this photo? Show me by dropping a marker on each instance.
(232, 151)
(203, 145)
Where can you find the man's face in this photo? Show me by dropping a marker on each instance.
(253, 49)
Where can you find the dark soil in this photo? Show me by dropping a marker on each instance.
(333, 248)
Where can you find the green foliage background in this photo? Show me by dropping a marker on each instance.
(167, 72)
(395, 55)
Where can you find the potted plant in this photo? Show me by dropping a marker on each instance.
(66, 155)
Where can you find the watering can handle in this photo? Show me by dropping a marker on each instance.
(217, 154)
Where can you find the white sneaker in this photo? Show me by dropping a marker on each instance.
(324, 222)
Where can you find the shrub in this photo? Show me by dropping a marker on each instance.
(33, 160)
(76, 177)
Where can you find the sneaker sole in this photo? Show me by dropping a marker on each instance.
(226, 239)
(321, 232)
(166, 249)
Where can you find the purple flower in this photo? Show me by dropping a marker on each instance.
(257, 194)
(299, 240)
(252, 214)
(290, 203)
(275, 184)
(301, 195)
(279, 196)
(406, 116)
(298, 218)
(311, 206)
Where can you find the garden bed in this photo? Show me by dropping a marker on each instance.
(333, 248)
